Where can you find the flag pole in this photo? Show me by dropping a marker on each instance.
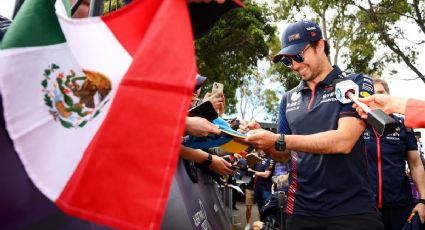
(96, 8)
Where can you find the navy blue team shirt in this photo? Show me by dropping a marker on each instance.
(325, 185)
(264, 183)
(387, 165)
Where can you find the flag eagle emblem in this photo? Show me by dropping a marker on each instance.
(74, 99)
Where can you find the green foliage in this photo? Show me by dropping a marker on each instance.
(357, 30)
(254, 99)
(271, 104)
(284, 75)
(230, 53)
(233, 47)
(361, 52)
(112, 5)
(385, 20)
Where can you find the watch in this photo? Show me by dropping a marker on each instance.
(280, 144)
(207, 161)
(422, 201)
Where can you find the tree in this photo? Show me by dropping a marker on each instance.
(362, 28)
(386, 20)
(255, 99)
(229, 53)
(112, 5)
(338, 28)
(232, 49)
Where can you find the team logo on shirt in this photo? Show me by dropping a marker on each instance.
(328, 97)
(295, 96)
(294, 103)
(366, 136)
(367, 85)
(394, 136)
(364, 94)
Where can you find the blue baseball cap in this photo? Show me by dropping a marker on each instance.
(296, 36)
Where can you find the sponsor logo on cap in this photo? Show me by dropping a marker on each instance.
(311, 28)
(294, 37)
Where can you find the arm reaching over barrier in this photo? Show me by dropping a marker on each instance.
(388, 104)
(347, 91)
(412, 109)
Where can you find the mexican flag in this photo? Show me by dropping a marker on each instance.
(96, 107)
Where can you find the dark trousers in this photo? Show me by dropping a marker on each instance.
(352, 222)
(260, 196)
(394, 218)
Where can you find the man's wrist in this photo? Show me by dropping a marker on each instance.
(272, 148)
(400, 105)
(207, 162)
(280, 144)
(421, 201)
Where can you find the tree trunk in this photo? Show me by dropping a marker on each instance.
(390, 42)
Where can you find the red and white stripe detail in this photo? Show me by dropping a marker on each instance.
(293, 186)
(379, 166)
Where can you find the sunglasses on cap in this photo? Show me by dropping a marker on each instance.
(287, 60)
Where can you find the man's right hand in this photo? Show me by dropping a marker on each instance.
(260, 139)
(200, 127)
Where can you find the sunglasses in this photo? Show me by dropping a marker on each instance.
(287, 60)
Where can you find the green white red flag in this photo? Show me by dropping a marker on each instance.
(96, 107)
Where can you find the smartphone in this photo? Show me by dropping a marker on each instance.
(217, 88)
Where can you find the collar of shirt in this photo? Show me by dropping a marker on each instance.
(336, 71)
